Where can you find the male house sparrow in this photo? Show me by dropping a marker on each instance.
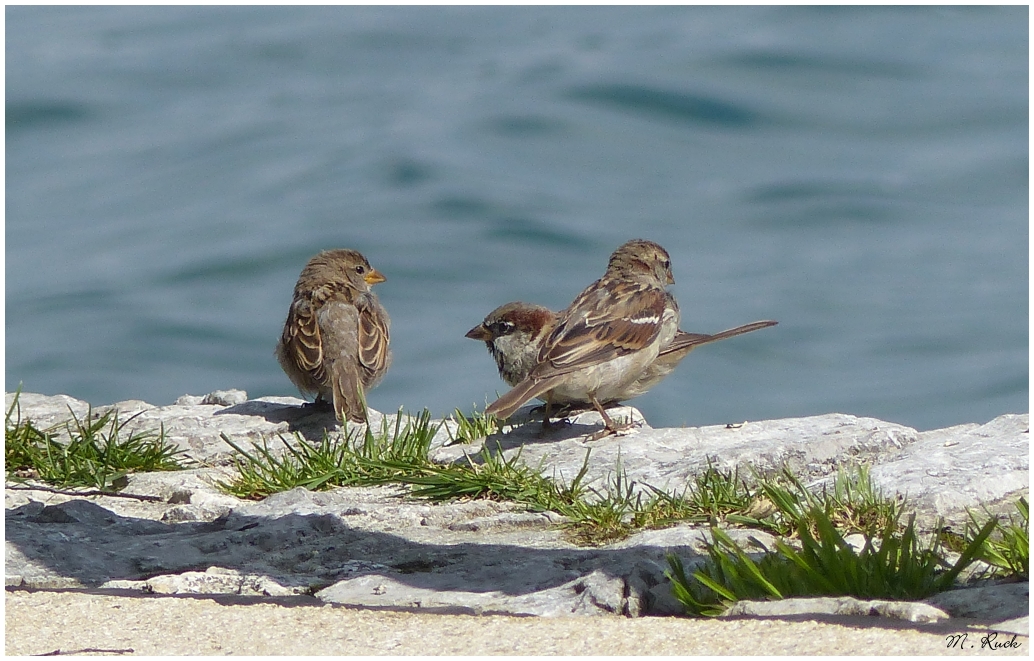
(514, 334)
(335, 340)
(605, 339)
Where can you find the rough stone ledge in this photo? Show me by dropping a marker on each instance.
(903, 610)
(372, 547)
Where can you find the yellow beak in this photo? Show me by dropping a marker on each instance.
(373, 277)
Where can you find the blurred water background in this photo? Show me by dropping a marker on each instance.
(858, 174)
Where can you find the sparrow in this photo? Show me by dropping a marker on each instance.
(514, 334)
(335, 341)
(606, 338)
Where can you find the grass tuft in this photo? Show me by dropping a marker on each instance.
(895, 564)
(99, 452)
(353, 459)
(475, 427)
(599, 517)
(852, 502)
(494, 477)
(1007, 550)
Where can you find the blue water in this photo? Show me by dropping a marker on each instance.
(858, 174)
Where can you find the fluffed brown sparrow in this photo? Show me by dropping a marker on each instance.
(514, 334)
(335, 341)
(605, 339)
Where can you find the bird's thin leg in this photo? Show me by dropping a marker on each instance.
(609, 425)
(549, 409)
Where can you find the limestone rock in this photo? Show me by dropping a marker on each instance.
(225, 397)
(45, 411)
(178, 533)
(669, 458)
(1020, 625)
(997, 603)
(902, 610)
(948, 470)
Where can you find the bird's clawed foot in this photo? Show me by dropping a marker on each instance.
(610, 427)
(319, 404)
(552, 425)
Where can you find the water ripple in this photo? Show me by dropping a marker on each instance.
(525, 126)
(693, 108)
(534, 231)
(43, 113)
(810, 190)
(232, 269)
(789, 62)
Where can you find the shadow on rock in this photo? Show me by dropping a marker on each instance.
(311, 419)
(525, 427)
(81, 544)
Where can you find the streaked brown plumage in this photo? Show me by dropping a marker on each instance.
(605, 339)
(335, 341)
(514, 333)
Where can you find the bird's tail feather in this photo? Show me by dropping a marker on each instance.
(349, 397)
(683, 340)
(508, 404)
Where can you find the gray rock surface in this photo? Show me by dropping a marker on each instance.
(902, 610)
(993, 602)
(969, 466)
(177, 533)
(669, 458)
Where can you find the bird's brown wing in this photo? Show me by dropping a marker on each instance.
(373, 352)
(600, 325)
(303, 340)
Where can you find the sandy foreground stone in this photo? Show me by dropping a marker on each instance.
(71, 622)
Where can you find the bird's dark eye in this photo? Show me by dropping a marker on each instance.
(360, 269)
(501, 327)
(666, 263)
